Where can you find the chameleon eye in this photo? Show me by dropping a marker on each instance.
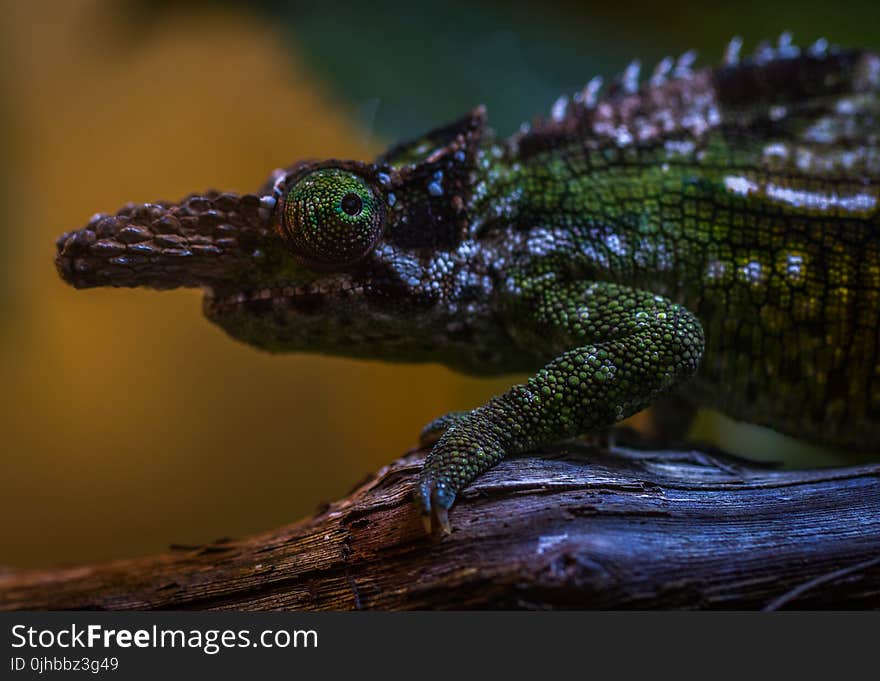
(331, 218)
(351, 203)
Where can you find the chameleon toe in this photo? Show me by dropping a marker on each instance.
(433, 498)
(440, 520)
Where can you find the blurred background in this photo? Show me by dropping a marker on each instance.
(128, 421)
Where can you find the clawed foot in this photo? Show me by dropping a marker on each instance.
(433, 496)
(465, 445)
(433, 499)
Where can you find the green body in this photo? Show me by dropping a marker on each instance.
(783, 272)
(712, 234)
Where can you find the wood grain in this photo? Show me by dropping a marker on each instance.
(576, 528)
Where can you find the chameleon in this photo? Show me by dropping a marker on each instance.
(703, 237)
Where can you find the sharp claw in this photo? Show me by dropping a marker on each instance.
(433, 506)
(440, 511)
(440, 520)
(424, 502)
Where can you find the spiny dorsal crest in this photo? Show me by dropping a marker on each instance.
(676, 97)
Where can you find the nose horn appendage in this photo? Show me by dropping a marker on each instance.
(201, 241)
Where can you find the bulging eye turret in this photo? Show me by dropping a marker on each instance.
(331, 218)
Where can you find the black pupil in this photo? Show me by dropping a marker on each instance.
(352, 204)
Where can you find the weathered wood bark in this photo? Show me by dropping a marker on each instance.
(578, 530)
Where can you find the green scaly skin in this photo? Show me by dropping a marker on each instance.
(713, 234)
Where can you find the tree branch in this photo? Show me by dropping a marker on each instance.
(580, 529)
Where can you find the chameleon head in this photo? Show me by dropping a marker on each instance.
(341, 257)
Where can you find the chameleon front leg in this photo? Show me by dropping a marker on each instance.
(625, 347)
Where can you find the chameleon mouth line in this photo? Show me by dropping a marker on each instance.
(283, 292)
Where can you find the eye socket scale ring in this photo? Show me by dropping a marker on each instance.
(331, 218)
